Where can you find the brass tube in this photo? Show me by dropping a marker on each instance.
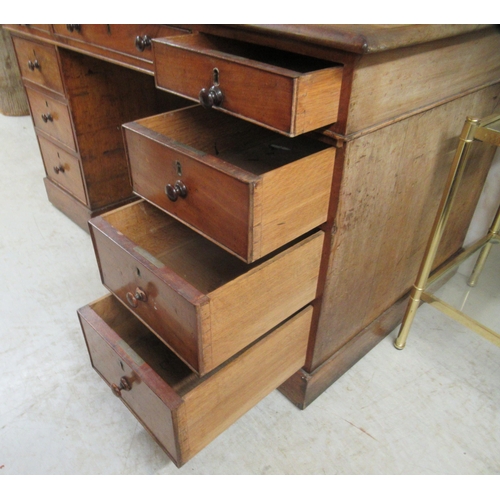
(492, 234)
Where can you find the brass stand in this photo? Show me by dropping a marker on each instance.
(486, 130)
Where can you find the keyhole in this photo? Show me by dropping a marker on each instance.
(178, 167)
(216, 76)
(138, 272)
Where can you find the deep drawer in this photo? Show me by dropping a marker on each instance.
(286, 92)
(182, 412)
(131, 39)
(63, 168)
(38, 64)
(204, 303)
(52, 117)
(246, 188)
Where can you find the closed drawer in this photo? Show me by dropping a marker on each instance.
(280, 90)
(52, 117)
(246, 188)
(38, 64)
(37, 27)
(204, 303)
(182, 412)
(63, 168)
(131, 39)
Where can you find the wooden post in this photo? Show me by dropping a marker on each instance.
(13, 100)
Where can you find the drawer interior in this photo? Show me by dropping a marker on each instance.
(170, 243)
(220, 47)
(141, 345)
(245, 145)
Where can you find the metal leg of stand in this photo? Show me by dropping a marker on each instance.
(451, 188)
(493, 233)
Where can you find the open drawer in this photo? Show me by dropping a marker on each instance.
(181, 411)
(287, 92)
(246, 188)
(204, 303)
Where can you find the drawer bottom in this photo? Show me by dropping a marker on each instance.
(182, 411)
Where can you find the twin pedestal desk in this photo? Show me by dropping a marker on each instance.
(259, 197)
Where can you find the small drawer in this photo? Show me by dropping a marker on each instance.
(286, 92)
(131, 39)
(38, 64)
(182, 412)
(52, 117)
(248, 189)
(63, 168)
(204, 303)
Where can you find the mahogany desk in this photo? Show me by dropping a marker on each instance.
(368, 118)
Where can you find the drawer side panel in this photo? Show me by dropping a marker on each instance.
(262, 298)
(224, 397)
(294, 200)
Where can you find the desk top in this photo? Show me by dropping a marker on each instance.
(360, 38)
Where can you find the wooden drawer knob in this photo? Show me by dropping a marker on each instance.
(213, 96)
(142, 42)
(134, 298)
(178, 189)
(125, 385)
(32, 65)
(47, 117)
(59, 169)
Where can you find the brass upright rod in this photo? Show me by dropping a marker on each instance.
(492, 233)
(451, 188)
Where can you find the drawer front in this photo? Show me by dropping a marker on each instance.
(131, 39)
(52, 117)
(205, 304)
(38, 64)
(182, 412)
(255, 193)
(37, 27)
(114, 359)
(63, 168)
(285, 92)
